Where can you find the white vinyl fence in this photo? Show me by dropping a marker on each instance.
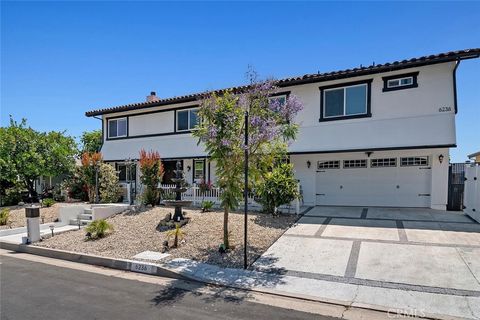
(471, 197)
(193, 194)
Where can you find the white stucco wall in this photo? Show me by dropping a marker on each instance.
(151, 123)
(402, 118)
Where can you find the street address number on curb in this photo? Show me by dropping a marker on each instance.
(143, 268)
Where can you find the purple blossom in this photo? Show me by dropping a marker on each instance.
(225, 142)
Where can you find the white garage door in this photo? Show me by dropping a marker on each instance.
(397, 182)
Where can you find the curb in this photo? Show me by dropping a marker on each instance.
(157, 270)
(119, 264)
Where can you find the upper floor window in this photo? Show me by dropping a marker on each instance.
(346, 101)
(117, 128)
(187, 119)
(280, 99)
(399, 82)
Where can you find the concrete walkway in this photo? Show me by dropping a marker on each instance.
(17, 236)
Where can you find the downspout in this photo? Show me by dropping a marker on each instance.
(455, 86)
(103, 137)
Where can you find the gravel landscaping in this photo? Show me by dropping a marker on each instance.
(17, 215)
(136, 232)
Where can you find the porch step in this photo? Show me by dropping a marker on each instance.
(83, 222)
(88, 211)
(86, 216)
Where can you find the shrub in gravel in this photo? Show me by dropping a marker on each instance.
(176, 233)
(4, 216)
(98, 229)
(207, 206)
(48, 202)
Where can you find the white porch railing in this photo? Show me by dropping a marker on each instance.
(194, 194)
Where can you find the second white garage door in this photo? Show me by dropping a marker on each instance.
(395, 182)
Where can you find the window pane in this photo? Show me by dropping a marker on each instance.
(199, 169)
(182, 120)
(122, 172)
(393, 83)
(122, 127)
(406, 81)
(357, 100)
(193, 118)
(333, 103)
(112, 128)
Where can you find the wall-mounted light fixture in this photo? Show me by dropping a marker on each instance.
(309, 164)
(189, 168)
(440, 158)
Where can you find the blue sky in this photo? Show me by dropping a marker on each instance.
(60, 59)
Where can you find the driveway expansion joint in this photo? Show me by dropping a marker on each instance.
(364, 213)
(353, 259)
(402, 234)
(322, 228)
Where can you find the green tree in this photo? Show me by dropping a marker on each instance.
(26, 154)
(278, 187)
(108, 184)
(151, 169)
(221, 130)
(91, 141)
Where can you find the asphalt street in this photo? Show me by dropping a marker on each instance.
(32, 290)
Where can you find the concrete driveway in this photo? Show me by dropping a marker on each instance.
(419, 250)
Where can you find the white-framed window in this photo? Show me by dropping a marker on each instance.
(187, 119)
(332, 164)
(357, 163)
(117, 128)
(345, 101)
(400, 82)
(414, 161)
(198, 170)
(282, 99)
(384, 162)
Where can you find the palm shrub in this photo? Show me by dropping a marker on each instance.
(98, 229)
(109, 188)
(177, 234)
(48, 202)
(207, 206)
(277, 188)
(151, 169)
(4, 216)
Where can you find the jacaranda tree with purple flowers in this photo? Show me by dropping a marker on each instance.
(222, 131)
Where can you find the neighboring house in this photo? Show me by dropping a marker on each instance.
(369, 136)
(475, 157)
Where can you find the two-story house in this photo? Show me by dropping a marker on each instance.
(369, 136)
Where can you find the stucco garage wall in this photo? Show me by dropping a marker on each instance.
(439, 171)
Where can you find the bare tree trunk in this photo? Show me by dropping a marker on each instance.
(225, 228)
